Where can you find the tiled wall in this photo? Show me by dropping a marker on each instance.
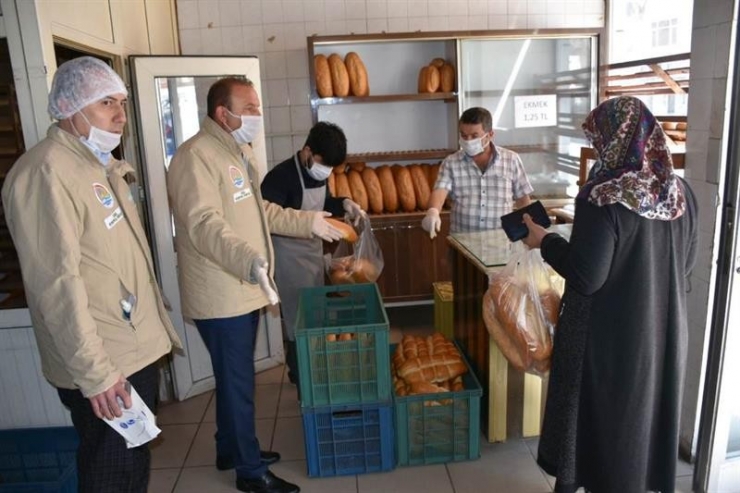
(276, 30)
(710, 48)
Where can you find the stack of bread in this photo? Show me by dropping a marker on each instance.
(427, 365)
(521, 317)
(387, 188)
(438, 76)
(675, 130)
(340, 78)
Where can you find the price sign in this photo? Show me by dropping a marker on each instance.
(536, 111)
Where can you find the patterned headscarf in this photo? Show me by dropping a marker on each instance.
(634, 167)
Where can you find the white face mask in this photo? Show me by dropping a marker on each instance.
(100, 142)
(472, 147)
(250, 128)
(319, 172)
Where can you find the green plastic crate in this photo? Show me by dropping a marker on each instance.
(438, 428)
(342, 372)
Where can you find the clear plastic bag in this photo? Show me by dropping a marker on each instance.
(521, 309)
(357, 263)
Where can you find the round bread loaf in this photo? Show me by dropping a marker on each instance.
(438, 62)
(359, 194)
(404, 188)
(358, 166)
(331, 184)
(374, 192)
(447, 78)
(421, 186)
(357, 74)
(423, 79)
(432, 79)
(348, 232)
(339, 76)
(343, 188)
(363, 271)
(388, 186)
(323, 76)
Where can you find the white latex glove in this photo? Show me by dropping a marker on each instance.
(431, 222)
(323, 229)
(259, 272)
(354, 211)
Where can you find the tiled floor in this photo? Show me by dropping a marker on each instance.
(183, 458)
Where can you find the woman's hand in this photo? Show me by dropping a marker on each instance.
(536, 232)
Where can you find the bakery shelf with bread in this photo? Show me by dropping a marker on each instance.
(436, 400)
(341, 341)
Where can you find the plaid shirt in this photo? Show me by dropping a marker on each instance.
(480, 198)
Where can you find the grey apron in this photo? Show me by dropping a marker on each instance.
(299, 263)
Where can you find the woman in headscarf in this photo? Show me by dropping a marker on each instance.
(613, 406)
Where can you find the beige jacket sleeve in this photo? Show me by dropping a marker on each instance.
(47, 236)
(196, 201)
(288, 222)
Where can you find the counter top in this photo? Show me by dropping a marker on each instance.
(491, 249)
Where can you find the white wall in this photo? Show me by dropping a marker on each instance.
(276, 30)
(708, 107)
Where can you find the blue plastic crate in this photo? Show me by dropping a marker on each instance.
(342, 338)
(38, 460)
(344, 440)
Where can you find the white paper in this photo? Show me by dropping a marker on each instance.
(137, 424)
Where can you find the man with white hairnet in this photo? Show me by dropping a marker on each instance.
(97, 311)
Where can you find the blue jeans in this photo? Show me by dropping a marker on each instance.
(230, 342)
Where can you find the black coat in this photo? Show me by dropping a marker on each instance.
(613, 406)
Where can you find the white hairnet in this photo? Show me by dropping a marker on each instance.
(80, 82)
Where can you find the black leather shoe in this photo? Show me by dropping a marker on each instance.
(224, 463)
(268, 483)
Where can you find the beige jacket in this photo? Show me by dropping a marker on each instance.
(222, 224)
(82, 250)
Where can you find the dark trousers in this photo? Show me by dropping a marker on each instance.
(104, 464)
(230, 342)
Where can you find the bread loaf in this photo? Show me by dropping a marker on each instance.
(512, 348)
(357, 166)
(340, 170)
(438, 62)
(323, 76)
(425, 388)
(432, 79)
(550, 301)
(421, 186)
(359, 194)
(423, 79)
(348, 232)
(404, 188)
(357, 74)
(343, 189)
(388, 186)
(434, 368)
(447, 78)
(374, 192)
(363, 271)
(682, 126)
(339, 76)
(331, 184)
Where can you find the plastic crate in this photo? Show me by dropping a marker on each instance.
(344, 440)
(437, 428)
(342, 372)
(443, 314)
(38, 460)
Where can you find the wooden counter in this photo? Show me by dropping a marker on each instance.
(513, 402)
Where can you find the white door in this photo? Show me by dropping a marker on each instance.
(169, 103)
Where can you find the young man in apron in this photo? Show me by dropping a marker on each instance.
(300, 183)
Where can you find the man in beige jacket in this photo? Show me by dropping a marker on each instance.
(225, 261)
(96, 308)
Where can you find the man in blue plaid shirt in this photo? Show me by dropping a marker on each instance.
(482, 179)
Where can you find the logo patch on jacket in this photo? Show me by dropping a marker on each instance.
(103, 195)
(237, 178)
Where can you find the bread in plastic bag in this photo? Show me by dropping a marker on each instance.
(520, 310)
(358, 263)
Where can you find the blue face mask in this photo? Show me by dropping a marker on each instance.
(102, 156)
